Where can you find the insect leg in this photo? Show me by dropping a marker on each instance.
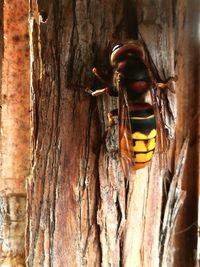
(99, 76)
(98, 91)
(108, 89)
(111, 121)
(166, 84)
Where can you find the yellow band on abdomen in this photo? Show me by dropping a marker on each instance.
(143, 118)
(141, 136)
(143, 157)
(144, 145)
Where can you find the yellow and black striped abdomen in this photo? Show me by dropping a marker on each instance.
(143, 127)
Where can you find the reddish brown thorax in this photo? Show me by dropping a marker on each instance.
(139, 87)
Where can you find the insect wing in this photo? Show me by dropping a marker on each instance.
(125, 142)
(162, 139)
(158, 101)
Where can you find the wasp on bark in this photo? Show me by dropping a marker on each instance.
(140, 123)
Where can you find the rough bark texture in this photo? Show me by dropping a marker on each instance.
(15, 130)
(68, 39)
(81, 211)
(171, 30)
(187, 93)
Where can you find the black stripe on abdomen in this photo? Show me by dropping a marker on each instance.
(144, 125)
(143, 113)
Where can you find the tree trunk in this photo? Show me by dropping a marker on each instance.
(81, 210)
(172, 29)
(187, 94)
(15, 130)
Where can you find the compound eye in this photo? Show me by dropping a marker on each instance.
(116, 47)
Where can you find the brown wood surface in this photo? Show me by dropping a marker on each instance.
(15, 130)
(81, 210)
(187, 68)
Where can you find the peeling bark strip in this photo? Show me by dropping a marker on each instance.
(15, 131)
(81, 211)
(175, 199)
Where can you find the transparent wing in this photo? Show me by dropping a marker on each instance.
(162, 140)
(157, 97)
(125, 142)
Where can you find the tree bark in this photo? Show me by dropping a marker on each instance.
(81, 210)
(187, 94)
(15, 130)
